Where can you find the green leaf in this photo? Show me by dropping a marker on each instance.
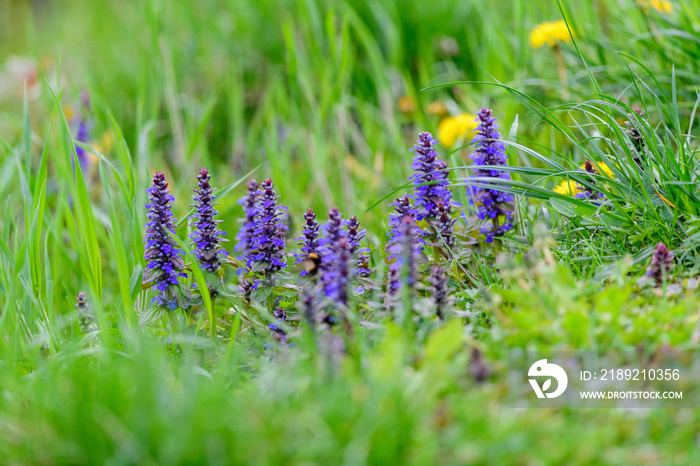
(149, 275)
(261, 294)
(151, 314)
(563, 207)
(283, 275)
(182, 295)
(135, 281)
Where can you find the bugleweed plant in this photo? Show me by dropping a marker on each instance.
(374, 285)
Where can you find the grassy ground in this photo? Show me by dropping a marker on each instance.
(327, 98)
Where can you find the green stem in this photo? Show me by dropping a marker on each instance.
(174, 324)
(561, 68)
(270, 298)
(212, 318)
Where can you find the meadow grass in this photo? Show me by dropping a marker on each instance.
(327, 99)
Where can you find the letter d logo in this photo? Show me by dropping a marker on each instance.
(543, 369)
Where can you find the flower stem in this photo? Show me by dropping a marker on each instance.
(174, 324)
(563, 77)
(212, 317)
(270, 297)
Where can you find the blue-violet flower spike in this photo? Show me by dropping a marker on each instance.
(494, 205)
(428, 168)
(441, 295)
(445, 223)
(277, 328)
(84, 317)
(309, 239)
(406, 250)
(83, 122)
(206, 236)
(332, 232)
(165, 260)
(330, 249)
(270, 231)
(661, 264)
(403, 209)
(336, 277)
(251, 209)
(355, 236)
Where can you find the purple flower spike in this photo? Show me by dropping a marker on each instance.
(277, 328)
(429, 169)
(441, 295)
(494, 205)
(82, 122)
(403, 209)
(661, 264)
(165, 260)
(355, 236)
(393, 284)
(246, 287)
(270, 231)
(308, 306)
(309, 239)
(336, 275)
(407, 252)
(251, 208)
(333, 231)
(84, 317)
(83, 135)
(445, 224)
(331, 252)
(206, 236)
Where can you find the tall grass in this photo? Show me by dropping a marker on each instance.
(307, 92)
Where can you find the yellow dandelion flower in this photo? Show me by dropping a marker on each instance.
(69, 112)
(550, 34)
(407, 104)
(567, 188)
(662, 6)
(570, 187)
(454, 129)
(106, 141)
(603, 166)
(91, 155)
(438, 108)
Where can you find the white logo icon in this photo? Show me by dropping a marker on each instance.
(543, 369)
